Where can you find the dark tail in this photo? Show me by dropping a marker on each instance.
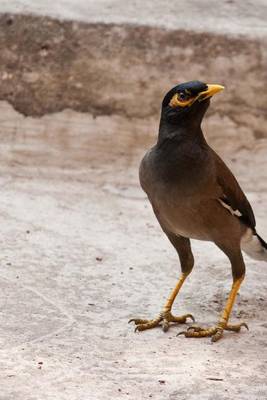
(263, 243)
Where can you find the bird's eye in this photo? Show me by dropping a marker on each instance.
(182, 96)
(181, 99)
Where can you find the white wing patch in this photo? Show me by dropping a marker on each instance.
(237, 213)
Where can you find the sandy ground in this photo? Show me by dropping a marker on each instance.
(233, 17)
(82, 253)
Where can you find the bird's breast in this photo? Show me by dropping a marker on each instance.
(179, 191)
(182, 215)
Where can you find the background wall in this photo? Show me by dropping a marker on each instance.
(121, 71)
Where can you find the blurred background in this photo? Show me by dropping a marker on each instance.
(81, 88)
(96, 72)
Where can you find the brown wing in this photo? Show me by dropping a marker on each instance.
(233, 195)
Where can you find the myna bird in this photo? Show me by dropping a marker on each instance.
(195, 195)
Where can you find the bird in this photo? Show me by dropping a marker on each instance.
(194, 195)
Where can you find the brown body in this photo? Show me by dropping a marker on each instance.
(187, 204)
(194, 195)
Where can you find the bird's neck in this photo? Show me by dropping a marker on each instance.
(177, 133)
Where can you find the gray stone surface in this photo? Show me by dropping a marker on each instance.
(82, 253)
(233, 17)
(47, 66)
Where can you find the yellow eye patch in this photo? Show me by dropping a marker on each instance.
(176, 101)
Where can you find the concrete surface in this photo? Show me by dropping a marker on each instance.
(47, 66)
(81, 249)
(233, 17)
(82, 253)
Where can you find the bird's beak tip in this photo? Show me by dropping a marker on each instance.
(217, 88)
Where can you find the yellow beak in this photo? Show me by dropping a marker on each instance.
(211, 91)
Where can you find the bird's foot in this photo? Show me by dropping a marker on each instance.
(163, 319)
(215, 332)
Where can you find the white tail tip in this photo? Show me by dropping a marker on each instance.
(254, 246)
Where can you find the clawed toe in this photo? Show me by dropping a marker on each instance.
(182, 319)
(164, 319)
(138, 321)
(237, 327)
(197, 332)
(215, 332)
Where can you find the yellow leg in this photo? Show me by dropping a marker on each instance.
(217, 331)
(165, 316)
(230, 302)
(174, 293)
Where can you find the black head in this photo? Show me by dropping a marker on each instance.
(188, 102)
